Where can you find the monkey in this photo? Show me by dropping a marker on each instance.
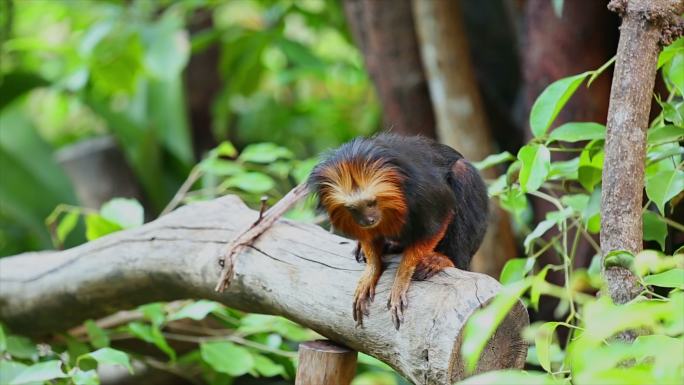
(407, 193)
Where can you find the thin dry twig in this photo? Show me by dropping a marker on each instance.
(247, 237)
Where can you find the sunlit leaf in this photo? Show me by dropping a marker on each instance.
(21, 347)
(654, 228)
(196, 310)
(153, 335)
(110, 356)
(578, 131)
(127, 213)
(551, 101)
(266, 367)
(9, 370)
(226, 357)
(98, 337)
(665, 134)
(87, 377)
(97, 226)
(511, 377)
(493, 160)
(515, 269)
(591, 165)
(43, 371)
(251, 182)
(664, 186)
(536, 162)
(264, 153)
(670, 278)
(543, 341)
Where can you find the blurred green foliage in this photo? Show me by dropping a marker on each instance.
(72, 70)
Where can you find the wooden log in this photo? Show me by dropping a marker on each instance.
(296, 270)
(325, 362)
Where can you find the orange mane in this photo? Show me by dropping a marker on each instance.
(347, 180)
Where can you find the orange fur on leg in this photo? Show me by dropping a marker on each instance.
(413, 256)
(365, 289)
(431, 265)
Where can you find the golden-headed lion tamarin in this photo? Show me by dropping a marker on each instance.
(409, 193)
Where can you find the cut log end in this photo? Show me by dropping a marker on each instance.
(325, 362)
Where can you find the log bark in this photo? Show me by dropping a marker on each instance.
(641, 35)
(461, 118)
(299, 271)
(384, 32)
(324, 362)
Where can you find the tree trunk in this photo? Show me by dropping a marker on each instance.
(296, 270)
(582, 39)
(461, 118)
(384, 32)
(641, 34)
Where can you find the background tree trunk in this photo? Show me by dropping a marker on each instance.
(384, 32)
(582, 39)
(461, 118)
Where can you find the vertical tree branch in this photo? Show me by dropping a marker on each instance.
(641, 33)
(384, 32)
(461, 117)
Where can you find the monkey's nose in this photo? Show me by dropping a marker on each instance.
(370, 221)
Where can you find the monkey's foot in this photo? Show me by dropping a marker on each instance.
(431, 265)
(365, 292)
(398, 301)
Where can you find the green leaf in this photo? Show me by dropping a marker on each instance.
(97, 226)
(578, 131)
(550, 102)
(542, 341)
(302, 169)
(538, 283)
(541, 229)
(675, 72)
(66, 225)
(664, 186)
(670, 278)
(225, 149)
(116, 62)
(375, 378)
(127, 213)
(196, 310)
(167, 46)
(265, 367)
(619, 258)
(43, 371)
(264, 153)
(515, 270)
(493, 160)
(536, 163)
(221, 167)
(9, 370)
(226, 357)
(592, 213)
(564, 169)
(251, 182)
(665, 134)
(654, 228)
(3, 339)
(260, 323)
(21, 347)
(514, 201)
(154, 312)
(483, 323)
(97, 336)
(110, 356)
(153, 335)
(87, 377)
(16, 84)
(511, 377)
(167, 114)
(591, 165)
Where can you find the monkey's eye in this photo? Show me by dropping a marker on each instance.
(372, 203)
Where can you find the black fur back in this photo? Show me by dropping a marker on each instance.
(433, 190)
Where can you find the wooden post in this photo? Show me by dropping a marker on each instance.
(325, 362)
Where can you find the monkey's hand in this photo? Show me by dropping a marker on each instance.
(358, 254)
(365, 293)
(398, 300)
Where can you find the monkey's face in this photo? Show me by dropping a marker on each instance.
(365, 212)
